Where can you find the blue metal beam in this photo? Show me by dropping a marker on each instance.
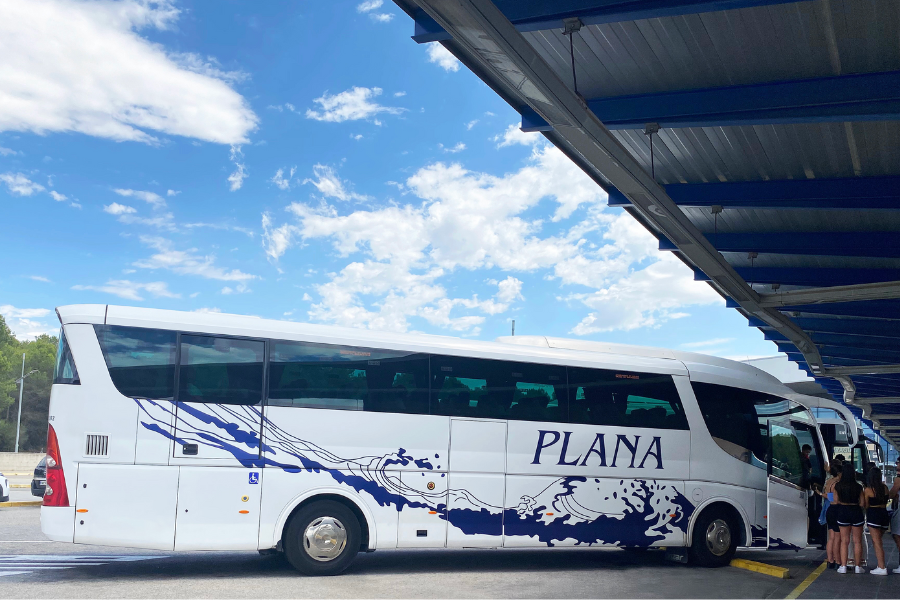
(841, 339)
(870, 355)
(810, 276)
(850, 193)
(877, 328)
(536, 15)
(828, 243)
(532, 122)
(884, 309)
(863, 97)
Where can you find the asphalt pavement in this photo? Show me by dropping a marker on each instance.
(33, 567)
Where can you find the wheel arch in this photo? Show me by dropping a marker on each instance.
(351, 501)
(730, 504)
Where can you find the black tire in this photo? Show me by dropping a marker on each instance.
(300, 553)
(715, 538)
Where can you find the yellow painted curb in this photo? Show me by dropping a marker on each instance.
(23, 503)
(758, 567)
(806, 582)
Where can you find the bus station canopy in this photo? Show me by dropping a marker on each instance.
(775, 169)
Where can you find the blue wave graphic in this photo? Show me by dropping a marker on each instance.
(649, 510)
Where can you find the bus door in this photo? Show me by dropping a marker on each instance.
(812, 477)
(218, 424)
(477, 483)
(786, 516)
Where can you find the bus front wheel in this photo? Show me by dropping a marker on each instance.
(715, 538)
(322, 538)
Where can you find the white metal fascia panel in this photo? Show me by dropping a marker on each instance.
(81, 313)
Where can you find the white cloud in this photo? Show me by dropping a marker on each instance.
(381, 17)
(330, 185)
(707, 343)
(399, 94)
(39, 278)
(25, 323)
(119, 209)
(645, 298)
(19, 185)
(351, 105)
(57, 196)
(398, 255)
(459, 147)
(471, 124)
(442, 57)
(207, 311)
(276, 240)
(131, 290)
(369, 5)
(236, 179)
(83, 67)
(282, 182)
(7, 151)
(514, 135)
(154, 200)
(356, 137)
(187, 262)
(240, 288)
(171, 193)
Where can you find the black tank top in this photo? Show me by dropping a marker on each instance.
(848, 491)
(880, 496)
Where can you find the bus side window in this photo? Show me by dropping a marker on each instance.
(309, 375)
(497, 389)
(141, 361)
(220, 370)
(624, 399)
(732, 420)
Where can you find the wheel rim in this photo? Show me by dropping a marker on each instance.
(718, 537)
(324, 538)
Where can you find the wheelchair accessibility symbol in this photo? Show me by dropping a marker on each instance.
(254, 478)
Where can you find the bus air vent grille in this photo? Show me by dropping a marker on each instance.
(96, 444)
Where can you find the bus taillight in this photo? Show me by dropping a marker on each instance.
(56, 493)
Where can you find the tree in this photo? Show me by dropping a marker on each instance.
(40, 354)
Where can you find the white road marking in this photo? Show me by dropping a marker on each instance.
(23, 564)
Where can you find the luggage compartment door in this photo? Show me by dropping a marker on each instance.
(126, 505)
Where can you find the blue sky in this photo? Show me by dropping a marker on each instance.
(307, 161)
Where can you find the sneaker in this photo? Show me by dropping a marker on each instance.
(842, 569)
(860, 570)
(878, 571)
(896, 571)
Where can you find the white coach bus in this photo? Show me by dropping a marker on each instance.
(186, 431)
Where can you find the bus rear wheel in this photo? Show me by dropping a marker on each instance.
(322, 538)
(715, 538)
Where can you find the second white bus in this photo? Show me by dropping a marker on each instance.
(184, 431)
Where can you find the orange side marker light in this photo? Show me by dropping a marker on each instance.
(82, 510)
(549, 514)
(244, 512)
(432, 512)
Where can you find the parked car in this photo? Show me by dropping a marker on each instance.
(39, 483)
(4, 488)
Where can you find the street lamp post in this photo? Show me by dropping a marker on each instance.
(21, 382)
